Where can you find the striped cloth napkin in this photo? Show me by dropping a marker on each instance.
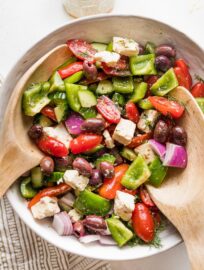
(22, 249)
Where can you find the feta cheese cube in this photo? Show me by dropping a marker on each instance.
(46, 207)
(76, 181)
(147, 120)
(74, 215)
(125, 46)
(108, 140)
(124, 205)
(110, 58)
(59, 133)
(146, 151)
(124, 131)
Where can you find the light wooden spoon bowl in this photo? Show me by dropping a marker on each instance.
(19, 153)
(181, 196)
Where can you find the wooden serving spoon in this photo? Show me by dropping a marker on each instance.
(181, 196)
(18, 152)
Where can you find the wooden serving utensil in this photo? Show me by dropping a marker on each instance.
(181, 196)
(18, 153)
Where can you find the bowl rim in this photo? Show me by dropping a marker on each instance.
(9, 192)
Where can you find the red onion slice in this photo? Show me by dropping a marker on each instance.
(176, 156)
(68, 199)
(62, 224)
(89, 238)
(158, 148)
(107, 240)
(73, 123)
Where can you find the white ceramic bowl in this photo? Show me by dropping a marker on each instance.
(100, 29)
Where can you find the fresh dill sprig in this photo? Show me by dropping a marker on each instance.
(198, 78)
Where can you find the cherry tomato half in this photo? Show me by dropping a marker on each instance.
(52, 146)
(111, 185)
(84, 142)
(70, 69)
(49, 112)
(145, 197)
(198, 89)
(132, 112)
(108, 109)
(183, 77)
(143, 223)
(167, 107)
(182, 64)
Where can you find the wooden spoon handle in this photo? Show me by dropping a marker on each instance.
(196, 253)
(13, 163)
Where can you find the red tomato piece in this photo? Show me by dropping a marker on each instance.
(120, 69)
(81, 49)
(70, 69)
(49, 112)
(132, 112)
(182, 64)
(50, 192)
(139, 139)
(183, 77)
(167, 107)
(108, 109)
(52, 146)
(145, 197)
(111, 185)
(84, 142)
(143, 223)
(198, 90)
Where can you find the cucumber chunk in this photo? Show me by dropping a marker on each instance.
(99, 46)
(37, 177)
(86, 98)
(105, 87)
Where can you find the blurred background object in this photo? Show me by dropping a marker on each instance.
(79, 8)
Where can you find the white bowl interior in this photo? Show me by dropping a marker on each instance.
(100, 29)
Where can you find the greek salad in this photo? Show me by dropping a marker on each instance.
(107, 126)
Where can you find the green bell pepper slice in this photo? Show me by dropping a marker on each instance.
(37, 177)
(94, 150)
(139, 92)
(123, 85)
(26, 189)
(54, 177)
(200, 102)
(34, 99)
(158, 172)
(89, 203)
(143, 64)
(149, 47)
(106, 157)
(137, 174)
(59, 99)
(118, 99)
(56, 82)
(128, 153)
(110, 47)
(72, 96)
(120, 233)
(165, 83)
(74, 78)
(46, 87)
(88, 112)
(145, 104)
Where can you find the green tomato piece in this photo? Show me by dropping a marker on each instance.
(139, 92)
(34, 100)
(158, 172)
(118, 99)
(86, 98)
(200, 102)
(106, 157)
(56, 82)
(89, 203)
(120, 233)
(26, 188)
(165, 83)
(88, 112)
(143, 64)
(145, 104)
(128, 153)
(74, 78)
(137, 174)
(123, 85)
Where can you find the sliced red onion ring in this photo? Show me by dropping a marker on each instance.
(107, 240)
(62, 224)
(158, 148)
(89, 238)
(73, 123)
(176, 156)
(68, 199)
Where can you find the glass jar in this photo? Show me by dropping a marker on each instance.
(80, 8)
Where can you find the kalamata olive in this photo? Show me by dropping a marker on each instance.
(162, 63)
(62, 163)
(82, 166)
(35, 132)
(161, 131)
(95, 125)
(96, 178)
(26, 174)
(107, 169)
(166, 50)
(79, 229)
(141, 49)
(47, 165)
(90, 70)
(118, 158)
(95, 223)
(179, 136)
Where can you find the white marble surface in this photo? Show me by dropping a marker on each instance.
(24, 22)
